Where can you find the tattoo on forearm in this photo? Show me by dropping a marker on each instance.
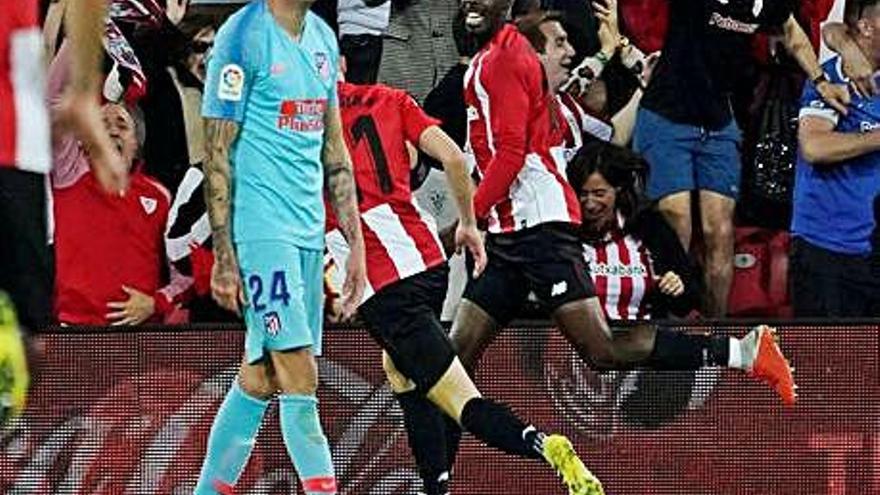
(218, 183)
(339, 178)
(339, 181)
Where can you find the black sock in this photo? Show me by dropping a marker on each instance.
(497, 426)
(686, 351)
(426, 432)
(453, 440)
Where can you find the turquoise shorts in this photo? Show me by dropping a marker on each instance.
(284, 287)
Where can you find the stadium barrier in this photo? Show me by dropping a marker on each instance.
(129, 413)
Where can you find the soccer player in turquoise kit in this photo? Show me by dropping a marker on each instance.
(274, 142)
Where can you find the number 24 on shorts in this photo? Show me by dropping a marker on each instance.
(277, 290)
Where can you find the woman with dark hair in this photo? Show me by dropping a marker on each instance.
(638, 267)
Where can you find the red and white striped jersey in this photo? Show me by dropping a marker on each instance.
(400, 239)
(570, 122)
(573, 121)
(509, 134)
(24, 119)
(622, 273)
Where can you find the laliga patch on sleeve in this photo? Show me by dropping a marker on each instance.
(231, 84)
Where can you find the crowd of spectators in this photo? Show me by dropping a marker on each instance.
(652, 141)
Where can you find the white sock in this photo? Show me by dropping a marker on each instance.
(735, 360)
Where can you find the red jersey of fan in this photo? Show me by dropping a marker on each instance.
(400, 239)
(103, 242)
(622, 274)
(24, 121)
(522, 184)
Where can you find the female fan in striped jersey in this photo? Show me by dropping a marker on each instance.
(638, 268)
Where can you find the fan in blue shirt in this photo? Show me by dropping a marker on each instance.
(836, 183)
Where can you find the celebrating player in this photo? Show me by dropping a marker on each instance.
(407, 276)
(532, 214)
(275, 137)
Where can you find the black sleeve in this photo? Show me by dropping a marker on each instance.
(580, 23)
(668, 255)
(165, 149)
(446, 103)
(621, 83)
(329, 11)
(158, 47)
(774, 15)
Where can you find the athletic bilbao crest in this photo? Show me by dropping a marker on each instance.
(272, 322)
(322, 65)
(149, 204)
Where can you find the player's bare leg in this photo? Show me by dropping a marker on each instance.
(257, 380)
(472, 332)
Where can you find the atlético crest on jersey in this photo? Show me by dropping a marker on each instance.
(322, 65)
(272, 322)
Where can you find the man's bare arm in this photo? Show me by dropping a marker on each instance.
(856, 65)
(341, 192)
(85, 27)
(441, 147)
(798, 45)
(624, 121)
(339, 178)
(438, 145)
(821, 145)
(225, 277)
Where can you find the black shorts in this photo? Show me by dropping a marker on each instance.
(26, 266)
(547, 260)
(829, 284)
(404, 318)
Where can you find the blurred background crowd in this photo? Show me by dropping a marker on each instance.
(146, 257)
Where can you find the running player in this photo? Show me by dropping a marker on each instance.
(25, 159)
(532, 213)
(407, 275)
(274, 138)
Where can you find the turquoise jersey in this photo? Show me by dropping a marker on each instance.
(278, 91)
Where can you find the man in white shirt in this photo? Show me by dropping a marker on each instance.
(362, 23)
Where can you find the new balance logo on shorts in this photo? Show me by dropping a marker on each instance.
(559, 289)
(272, 323)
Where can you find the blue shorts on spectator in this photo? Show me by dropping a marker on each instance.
(686, 157)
